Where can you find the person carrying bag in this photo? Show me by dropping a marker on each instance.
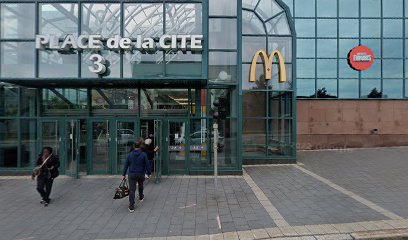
(46, 171)
(138, 165)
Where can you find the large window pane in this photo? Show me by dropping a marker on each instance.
(222, 67)
(305, 8)
(326, 28)
(392, 68)
(306, 88)
(374, 45)
(143, 19)
(254, 104)
(17, 59)
(268, 8)
(183, 64)
(392, 27)
(250, 45)
(183, 19)
(370, 28)
(28, 102)
(28, 143)
(326, 88)
(348, 28)
(102, 19)
(283, 44)
(306, 48)
(278, 25)
(223, 7)
(392, 88)
(17, 20)
(345, 46)
(55, 64)
(327, 68)
(8, 143)
(8, 101)
(223, 34)
(392, 48)
(374, 71)
(371, 88)
(118, 100)
(254, 131)
(371, 8)
(305, 27)
(345, 71)
(327, 48)
(327, 8)
(139, 65)
(251, 24)
(392, 10)
(64, 98)
(348, 88)
(166, 101)
(348, 8)
(305, 68)
(59, 19)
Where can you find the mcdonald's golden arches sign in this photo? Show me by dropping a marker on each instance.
(267, 62)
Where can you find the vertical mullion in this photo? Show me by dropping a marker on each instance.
(403, 50)
(121, 51)
(338, 49)
(79, 33)
(164, 31)
(381, 48)
(359, 43)
(37, 31)
(315, 60)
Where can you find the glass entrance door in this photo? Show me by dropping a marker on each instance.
(101, 141)
(125, 138)
(177, 135)
(50, 135)
(71, 144)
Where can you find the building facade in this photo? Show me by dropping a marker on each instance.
(89, 77)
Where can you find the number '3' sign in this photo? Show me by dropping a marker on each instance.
(98, 66)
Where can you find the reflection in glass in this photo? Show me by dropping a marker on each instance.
(278, 25)
(392, 27)
(348, 8)
(102, 19)
(305, 8)
(392, 68)
(63, 98)
(348, 27)
(326, 88)
(28, 146)
(392, 10)
(50, 135)
(306, 88)
(348, 88)
(371, 88)
(17, 20)
(371, 28)
(392, 88)
(199, 143)
(374, 71)
(183, 64)
(222, 33)
(17, 59)
(305, 48)
(326, 48)
(327, 68)
(305, 68)
(125, 138)
(345, 71)
(370, 8)
(175, 102)
(305, 27)
(177, 146)
(283, 44)
(143, 19)
(139, 65)
(374, 45)
(326, 28)
(222, 67)
(118, 100)
(183, 19)
(57, 65)
(250, 45)
(345, 46)
(253, 103)
(8, 143)
(268, 8)
(223, 7)
(251, 24)
(28, 105)
(8, 101)
(326, 8)
(100, 146)
(59, 19)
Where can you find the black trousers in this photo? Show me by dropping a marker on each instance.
(44, 186)
(132, 188)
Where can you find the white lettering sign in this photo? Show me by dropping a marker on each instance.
(96, 42)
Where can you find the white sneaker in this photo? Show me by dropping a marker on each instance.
(147, 176)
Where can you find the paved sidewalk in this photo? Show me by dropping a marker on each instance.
(328, 195)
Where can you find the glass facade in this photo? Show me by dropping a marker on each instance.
(51, 98)
(328, 29)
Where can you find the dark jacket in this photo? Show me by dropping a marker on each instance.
(53, 161)
(137, 163)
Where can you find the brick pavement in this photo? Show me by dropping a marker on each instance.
(329, 195)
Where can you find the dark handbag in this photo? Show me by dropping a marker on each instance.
(122, 191)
